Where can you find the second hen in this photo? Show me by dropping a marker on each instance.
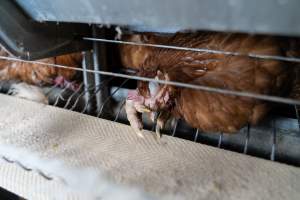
(208, 111)
(37, 74)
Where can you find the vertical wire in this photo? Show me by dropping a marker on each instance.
(119, 110)
(247, 139)
(220, 140)
(273, 150)
(297, 115)
(196, 135)
(86, 82)
(111, 95)
(175, 128)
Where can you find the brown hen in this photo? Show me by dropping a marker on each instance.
(37, 74)
(210, 112)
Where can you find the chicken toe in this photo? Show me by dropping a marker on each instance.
(134, 118)
(139, 133)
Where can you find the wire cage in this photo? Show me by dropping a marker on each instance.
(102, 93)
(247, 141)
(104, 84)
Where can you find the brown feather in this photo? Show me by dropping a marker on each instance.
(133, 56)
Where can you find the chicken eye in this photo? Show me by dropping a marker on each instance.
(153, 88)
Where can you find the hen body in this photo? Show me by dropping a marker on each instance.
(208, 111)
(133, 56)
(37, 74)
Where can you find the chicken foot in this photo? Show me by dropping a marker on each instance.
(62, 82)
(134, 118)
(134, 108)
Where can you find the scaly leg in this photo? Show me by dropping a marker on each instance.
(134, 118)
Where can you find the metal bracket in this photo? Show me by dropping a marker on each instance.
(31, 40)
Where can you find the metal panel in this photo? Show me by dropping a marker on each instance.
(262, 16)
(31, 40)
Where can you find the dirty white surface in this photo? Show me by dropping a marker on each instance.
(166, 169)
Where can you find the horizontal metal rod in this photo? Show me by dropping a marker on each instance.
(251, 55)
(173, 83)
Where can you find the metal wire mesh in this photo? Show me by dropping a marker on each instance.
(75, 100)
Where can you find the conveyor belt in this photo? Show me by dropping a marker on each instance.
(166, 169)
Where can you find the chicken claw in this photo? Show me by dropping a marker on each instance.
(134, 118)
(158, 127)
(139, 133)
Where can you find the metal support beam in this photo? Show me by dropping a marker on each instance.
(31, 40)
(100, 63)
(254, 16)
(88, 81)
(96, 67)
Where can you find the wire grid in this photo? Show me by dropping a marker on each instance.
(237, 93)
(72, 100)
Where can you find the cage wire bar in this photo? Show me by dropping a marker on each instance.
(173, 83)
(247, 139)
(212, 51)
(196, 135)
(79, 94)
(73, 94)
(90, 89)
(96, 65)
(119, 110)
(175, 127)
(110, 96)
(96, 91)
(88, 78)
(220, 140)
(246, 94)
(297, 115)
(100, 63)
(273, 146)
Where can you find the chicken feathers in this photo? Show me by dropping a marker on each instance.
(208, 111)
(37, 74)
